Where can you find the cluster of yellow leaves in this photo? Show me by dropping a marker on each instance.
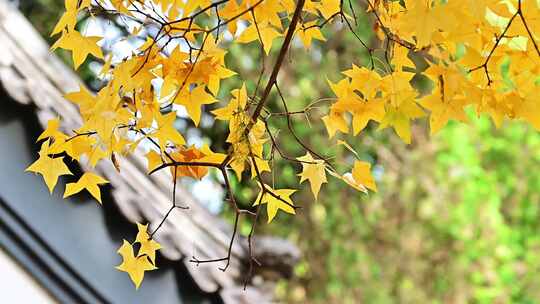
(366, 96)
(488, 61)
(244, 147)
(79, 45)
(145, 259)
(51, 165)
(129, 108)
(266, 25)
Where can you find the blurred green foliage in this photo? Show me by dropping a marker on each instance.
(43, 14)
(456, 218)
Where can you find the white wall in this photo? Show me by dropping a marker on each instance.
(18, 286)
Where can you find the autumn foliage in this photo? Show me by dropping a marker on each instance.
(480, 54)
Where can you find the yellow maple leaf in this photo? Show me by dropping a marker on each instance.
(313, 170)
(214, 79)
(83, 98)
(329, 7)
(442, 110)
(308, 32)
(67, 21)
(135, 266)
(96, 154)
(211, 156)
(363, 110)
(190, 154)
(69, 18)
(273, 204)
(154, 160)
(50, 168)
(423, 20)
(193, 102)
(235, 106)
(165, 130)
(79, 146)
(401, 105)
(362, 175)
(268, 11)
(399, 118)
(88, 181)
(360, 178)
(267, 35)
(448, 99)
(106, 66)
(79, 45)
(262, 165)
(51, 130)
(335, 122)
(148, 245)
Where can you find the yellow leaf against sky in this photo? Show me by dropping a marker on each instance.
(79, 46)
(173, 71)
(193, 102)
(121, 6)
(49, 168)
(191, 6)
(214, 78)
(105, 69)
(88, 181)
(165, 130)
(274, 204)
(229, 11)
(313, 170)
